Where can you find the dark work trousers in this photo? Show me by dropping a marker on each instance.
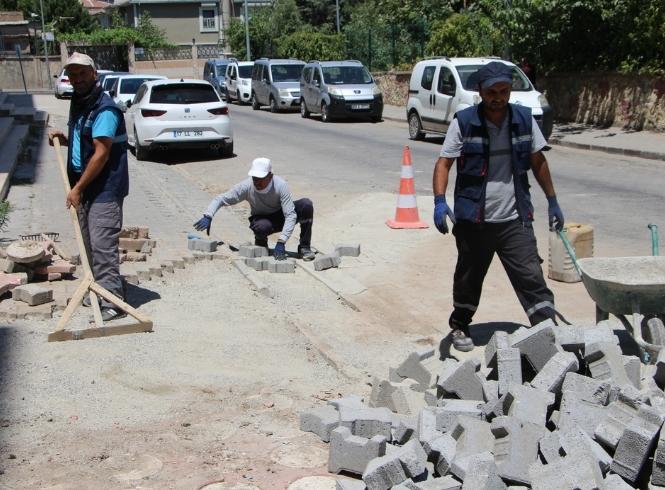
(263, 226)
(100, 225)
(515, 244)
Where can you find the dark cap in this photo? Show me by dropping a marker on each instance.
(491, 73)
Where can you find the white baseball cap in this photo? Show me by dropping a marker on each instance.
(80, 59)
(260, 167)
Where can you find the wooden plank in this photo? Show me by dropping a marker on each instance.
(105, 293)
(94, 332)
(75, 302)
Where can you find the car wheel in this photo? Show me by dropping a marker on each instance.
(273, 105)
(140, 152)
(255, 103)
(303, 109)
(226, 150)
(58, 96)
(377, 118)
(238, 98)
(415, 128)
(325, 117)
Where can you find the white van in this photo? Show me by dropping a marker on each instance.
(439, 88)
(239, 81)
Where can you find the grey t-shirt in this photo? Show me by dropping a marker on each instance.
(277, 198)
(500, 193)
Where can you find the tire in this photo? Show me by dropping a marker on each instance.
(377, 119)
(238, 100)
(140, 152)
(415, 128)
(226, 150)
(255, 103)
(58, 96)
(304, 113)
(325, 117)
(273, 105)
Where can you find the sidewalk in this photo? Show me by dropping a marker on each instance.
(643, 144)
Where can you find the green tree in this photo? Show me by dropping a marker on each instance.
(312, 45)
(59, 15)
(285, 18)
(465, 34)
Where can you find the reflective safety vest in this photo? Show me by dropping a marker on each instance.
(473, 163)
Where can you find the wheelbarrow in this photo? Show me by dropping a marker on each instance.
(628, 286)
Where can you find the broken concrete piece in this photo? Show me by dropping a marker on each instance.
(551, 377)
(327, 262)
(537, 344)
(463, 380)
(347, 250)
(32, 294)
(353, 453)
(398, 397)
(321, 421)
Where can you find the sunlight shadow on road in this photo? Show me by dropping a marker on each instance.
(137, 296)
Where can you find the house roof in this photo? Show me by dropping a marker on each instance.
(94, 4)
(11, 18)
(123, 3)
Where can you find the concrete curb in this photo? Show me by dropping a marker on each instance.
(257, 283)
(327, 284)
(650, 155)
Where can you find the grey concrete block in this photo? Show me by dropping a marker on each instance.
(420, 366)
(614, 421)
(570, 473)
(573, 338)
(32, 294)
(443, 483)
(493, 408)
(398, 397)
(326, 262)
(658, 470)
(431, 397)
(483, 475)
(287, 266)
(189, 259)
(441, 451)
(202, 245)
(450, 409)
(509, 368)
(252, 251)
(155, 271)
(556, 445)
(351, 401)
(633, 366)
(413, 458)
(404, 428)
(634, 448)
(615, 482)
(461, 467)
(143, 273)
(347, 249)
(575, 410)
(551, 377)
(527, 404)
(178, 263)
(515, 447)
(473, 437)
(349, 485)
(587, 389)
(394, 468)
(320, 420)
(463, 380)
(257, 263)
(427, 422)
(367, 422)
(537, 344)
(605, 362)
(352, 453)
(659, 374)
(167, 266)
(500, 340)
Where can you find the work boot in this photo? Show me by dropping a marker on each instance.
(462, 340)
(306, 253)
(261, 242)
(112, 314)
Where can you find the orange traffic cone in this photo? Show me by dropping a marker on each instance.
(406, 215)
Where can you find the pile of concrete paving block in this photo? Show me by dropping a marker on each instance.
(135, 244)
(549, 407)
(334, 260)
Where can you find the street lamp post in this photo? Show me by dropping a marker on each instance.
(249, 55)
(337, 14)
(48, 68)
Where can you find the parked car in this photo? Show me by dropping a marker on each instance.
(125, 87)
(239, 81)
(214, 71)
(178, 113)
(63, 87)
(107, 80)
(275, 83)
(439, 88)
(338, 89)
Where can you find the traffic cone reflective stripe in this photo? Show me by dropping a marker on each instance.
(406, 215)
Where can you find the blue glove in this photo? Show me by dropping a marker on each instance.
(555, 214)
(441, 210)
(204, 224)
(279, 252)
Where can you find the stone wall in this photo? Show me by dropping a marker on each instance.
(34, 70)
(600, 99)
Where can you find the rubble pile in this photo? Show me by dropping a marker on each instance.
(549, 407)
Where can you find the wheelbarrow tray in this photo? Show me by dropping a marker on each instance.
(625, 285)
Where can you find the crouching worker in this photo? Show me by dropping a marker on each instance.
(272, 210)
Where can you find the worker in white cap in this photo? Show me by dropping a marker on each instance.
(272, 210)
(98, 174)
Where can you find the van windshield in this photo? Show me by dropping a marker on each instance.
(345, 75)
(220, 70)
(245, 71)
(286, 73)
(520, 81)
(131, 85)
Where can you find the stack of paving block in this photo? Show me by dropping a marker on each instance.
(334, 259)
(135, 244)
(549, 407)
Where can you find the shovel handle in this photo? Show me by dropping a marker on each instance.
(570, 250)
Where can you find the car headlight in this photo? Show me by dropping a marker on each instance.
(542, 100)
(244, 82)
(376, 90)
(335, 91)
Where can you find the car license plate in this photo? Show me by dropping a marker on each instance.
(179, 133)
(357, 107)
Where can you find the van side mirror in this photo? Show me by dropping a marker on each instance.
(112, 93)
(317, 83)
(129, 104)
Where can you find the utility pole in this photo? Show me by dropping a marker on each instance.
(249, 55)
(48, 67)
(337, 10)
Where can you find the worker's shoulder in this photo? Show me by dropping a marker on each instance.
(280, 183)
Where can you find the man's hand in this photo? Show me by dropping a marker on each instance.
(74, 198)
(280, 251)
(204, 224)
(555, 214)
(441, 210)
(57, 134)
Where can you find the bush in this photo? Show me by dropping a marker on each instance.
(465, 34)
(310, 45)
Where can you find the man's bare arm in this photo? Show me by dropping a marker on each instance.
(541, 171)
(92, 170)
(440, 177)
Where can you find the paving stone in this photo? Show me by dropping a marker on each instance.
(37, 312)
(515, 447)
(349, 485)
(605, 362)
(658, 470)
(404, 428)
(367, 422)
(551, 377)
(634, 448)
(570, 473)
(201, 245)
(54, 276)
(633, 368)
(588, 389)
(395, 468)
(348, 249)
(442, 483)
(421, 366)
(130, 278)
(537, 344)
(61, 267)
(441, 451)
(527, 404)
(450, 409)
(614, 421)
(257, 263)
(398, 397)
(202, 256)
(351, 401)
(136, 244)
(11, 281)
(555, 445)
(575, 410)
(32, 294)
(287, 266)
(327, 262)
(573, 338)
(509, 368)
(155, 271)
(352, 453)
(426, 428)
(133, 257)
(473, 437)
(615, 482)
(320, 420)
(143, 274)
(189, 259)
(167, 266)
(16, 268)
(483, 475)
(178, 263)
(252, 251)
(500, 340)
(463, 380)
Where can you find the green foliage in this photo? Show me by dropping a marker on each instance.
(5, 209)
(146, 35)
(59, 15)
(311, 45)
(465, 34)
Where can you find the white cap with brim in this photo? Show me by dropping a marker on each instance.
(260, 167)
(80, 59)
